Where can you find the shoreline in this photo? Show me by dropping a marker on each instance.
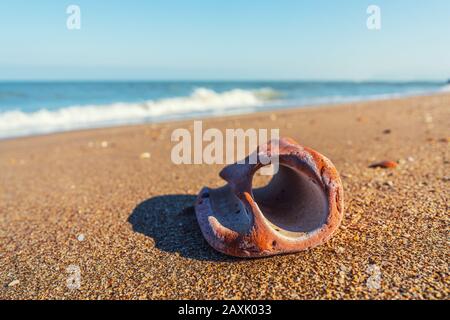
(127, 222)
(181, 119)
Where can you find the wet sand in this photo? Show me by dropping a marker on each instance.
(95, 201)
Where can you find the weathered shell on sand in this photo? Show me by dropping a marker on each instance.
(300, 208)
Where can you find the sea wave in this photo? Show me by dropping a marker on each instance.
(202, 100)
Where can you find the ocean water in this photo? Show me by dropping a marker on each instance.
(29, 108)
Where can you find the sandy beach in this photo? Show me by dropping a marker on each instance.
(111, 203)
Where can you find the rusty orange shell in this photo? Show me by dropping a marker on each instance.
(300, 208)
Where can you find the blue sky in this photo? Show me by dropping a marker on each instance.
(233, 39)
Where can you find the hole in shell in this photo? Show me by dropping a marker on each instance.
(292, 202)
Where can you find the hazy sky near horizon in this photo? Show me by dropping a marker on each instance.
(233, 39)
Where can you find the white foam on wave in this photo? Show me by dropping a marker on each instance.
(202, 100)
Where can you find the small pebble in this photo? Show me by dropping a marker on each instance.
(389, 183)
(145, 155)
(13, 283)
(81, 237)
(340, 250)
(104, 144)
(386, 164)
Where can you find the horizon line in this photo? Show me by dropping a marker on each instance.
(444, 81)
